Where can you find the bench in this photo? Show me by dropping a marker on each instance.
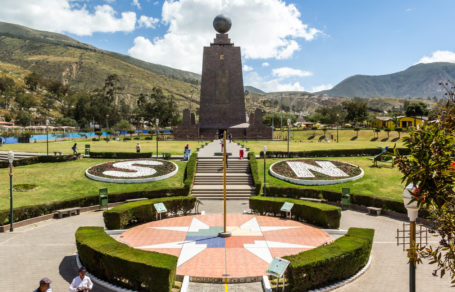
(69, 211)
(135, 200)
(57, 152)
(372, 210)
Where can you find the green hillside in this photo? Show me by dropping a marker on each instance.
(420, 80)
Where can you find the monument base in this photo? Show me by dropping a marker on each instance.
(225, 234)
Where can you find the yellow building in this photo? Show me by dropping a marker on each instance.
(402, 122)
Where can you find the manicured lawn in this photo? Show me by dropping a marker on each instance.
(174, 147)
(380, 182)
(67, 180)
(308, 140)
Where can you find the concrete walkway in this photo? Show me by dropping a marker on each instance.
(48, 249)
(215, 146)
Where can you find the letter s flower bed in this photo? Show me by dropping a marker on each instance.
(124, 266)
(330, 263)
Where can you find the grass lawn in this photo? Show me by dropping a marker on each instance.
(174, 147)
(67, 180)
(308, 140)
(382, 182)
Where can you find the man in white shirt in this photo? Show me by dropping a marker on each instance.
(81, 282)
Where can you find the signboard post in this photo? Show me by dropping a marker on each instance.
(287, 207)
(160, 208)
(277, 268)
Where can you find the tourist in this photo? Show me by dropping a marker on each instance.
(241, 153)
(74, 148)
(138, 148)
(44, 285)
(222, 146)
(81, 282)
(230, 138)
(227, 156)
(187, 146)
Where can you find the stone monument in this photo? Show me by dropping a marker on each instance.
(222, 101)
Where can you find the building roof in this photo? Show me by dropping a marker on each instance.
(384, 118)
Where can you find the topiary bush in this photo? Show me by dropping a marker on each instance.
(190, 171)
(254, 172)
(320, 214)
(124, 266)
(39, 159)
(121, 155)
(143, 211)
(330, 263)
(329, 153)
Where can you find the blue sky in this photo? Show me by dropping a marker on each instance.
(286, 45)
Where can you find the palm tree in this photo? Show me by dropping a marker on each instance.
(399, 130)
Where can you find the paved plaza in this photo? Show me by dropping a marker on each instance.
(48, 249)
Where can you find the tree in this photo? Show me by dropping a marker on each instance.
(431, 166)
(399, 130)
(7, 89)
(65, 122)
(387, 130)
(122, 125)
(23, 118)
(26, 101)
(356, 129)
(416, 109)
(32, 80)
(355, 111)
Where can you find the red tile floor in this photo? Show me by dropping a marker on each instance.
(255, 241)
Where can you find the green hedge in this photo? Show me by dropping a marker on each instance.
(320, 214)
(254, 172)
(116, 263)
(190, 171)
(329, 153)
(26, 212)
(330, 263)
(143, 211)
(39, 159)
(121, 155)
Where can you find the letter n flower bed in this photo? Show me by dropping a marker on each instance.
(132, 171)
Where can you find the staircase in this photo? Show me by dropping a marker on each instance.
(208, 182)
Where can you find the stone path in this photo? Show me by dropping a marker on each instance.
(48, 249)
(215, 147)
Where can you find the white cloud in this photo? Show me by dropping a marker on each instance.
(136, 3)
(149, 22)
(156, 3)
(272, 85)
(286, 72)
(265, 64)
(247, 68)
(262, 28)
(439, 56)
(321, 87)
(64, 16)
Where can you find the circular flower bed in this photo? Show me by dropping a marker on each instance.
(315, 171)
(132, 171)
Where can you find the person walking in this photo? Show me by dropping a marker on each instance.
(44, 285)
(81, 282)
(227, 156)
(241, 153)
(138, 148)
(230, 137)
(74, 148)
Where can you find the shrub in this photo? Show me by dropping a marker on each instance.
(137, 138)
(39, 159)
(190, 171)
(95, 139)
(122, 265)
(26, 212)
(330, 153)
(143, 211)
(320, 214)
(127, 139)
(330, 263)
(148, 138)
(121, 155)
(254, 172)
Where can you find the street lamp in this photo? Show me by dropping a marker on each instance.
(157, 122)
(338, 116)
(413, 210)
(265, 173)
(107, 125)
(47, 137)
(11, 218)
(289, 137)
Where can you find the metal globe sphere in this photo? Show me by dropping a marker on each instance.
(222, 23)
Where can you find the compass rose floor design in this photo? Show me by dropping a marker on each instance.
(255, 241)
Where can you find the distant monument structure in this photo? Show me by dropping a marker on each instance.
(222, 101)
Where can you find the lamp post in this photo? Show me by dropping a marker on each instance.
(157, 122)
(338, 116)
(413, 210)
(47, 137)
(107, 124)
(289, 137)
(281, 126)
(11, 218)
(265, 173)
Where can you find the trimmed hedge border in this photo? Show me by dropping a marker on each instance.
(330, 263)
(139, 212)
(39, 159)
(329, 153)
(121, 155)
(110, 260)
(190, 171)
(320, 214)
(27, 212)
(254, 171)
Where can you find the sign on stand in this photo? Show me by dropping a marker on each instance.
(287, 207)
(160, 208)
(277, 268)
